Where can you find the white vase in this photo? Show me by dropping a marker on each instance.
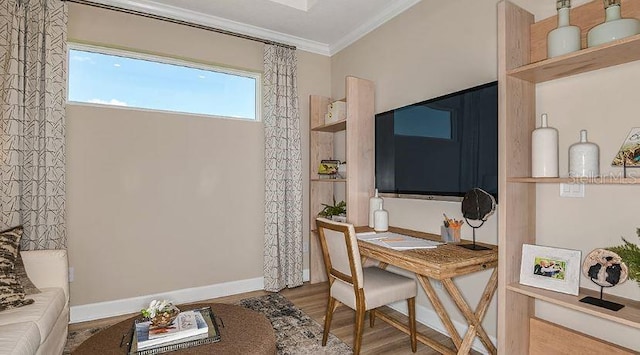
(544, 150)
(584, 158)
(566, 38)
(614, 26)
(381, 220)
(375, 203)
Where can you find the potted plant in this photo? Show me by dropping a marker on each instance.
(336, 212)
(630, 254)
(161, 313)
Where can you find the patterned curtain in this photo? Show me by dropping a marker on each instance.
(32, 108)
(283, 171)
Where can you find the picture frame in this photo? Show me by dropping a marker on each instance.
(328, 167)
(629, 153)
(551, 268)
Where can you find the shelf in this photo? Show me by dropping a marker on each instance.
(331, 127)
(618, 52)
(602, 180)
(629, 315)
(328, 180)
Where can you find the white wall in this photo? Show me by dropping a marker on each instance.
(432, 49)
(439, 47)
(164, 201)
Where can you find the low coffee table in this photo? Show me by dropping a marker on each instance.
(244, 332)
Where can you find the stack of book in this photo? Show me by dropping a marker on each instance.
(189, 326)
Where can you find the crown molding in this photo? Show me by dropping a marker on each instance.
(218, 22)
(303, 5)
(395, 8)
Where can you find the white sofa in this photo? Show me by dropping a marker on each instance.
(41, 327)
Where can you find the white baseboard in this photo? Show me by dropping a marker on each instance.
(430, 318)
(108, 309)
(93, 311)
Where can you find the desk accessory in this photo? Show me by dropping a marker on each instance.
(566, 38)
(629, 154)
(550, 268)
(375, 203)
(451, 230)
(381, 220)
(328, 168)
(477, 205)
(584, 158)
(615, 27)
(544, 149)
(605, 269)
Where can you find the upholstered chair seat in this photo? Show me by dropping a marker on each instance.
(361, 289)
(381, 288)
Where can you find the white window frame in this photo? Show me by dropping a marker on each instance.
(173, 61)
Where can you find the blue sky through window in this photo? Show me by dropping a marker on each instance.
(123, 81)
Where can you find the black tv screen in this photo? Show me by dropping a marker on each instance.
(440, 148)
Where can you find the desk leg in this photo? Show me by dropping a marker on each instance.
(439, 308)
(474, 318)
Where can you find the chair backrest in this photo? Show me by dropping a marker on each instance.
(340, 251)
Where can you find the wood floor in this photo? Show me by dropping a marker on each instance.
(381, 339)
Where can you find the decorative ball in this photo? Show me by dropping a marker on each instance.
(605, 268)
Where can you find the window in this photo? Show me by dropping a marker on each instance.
(108, 77)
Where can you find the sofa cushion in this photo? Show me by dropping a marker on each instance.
(19, 338)
(43, 312)
(11, 292)
(23, 278)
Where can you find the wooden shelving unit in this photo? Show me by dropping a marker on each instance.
(359, 183)
(622, 51)
(522, 64)
(329, 180)
(602, 180)
(332, 127)
(629, 315)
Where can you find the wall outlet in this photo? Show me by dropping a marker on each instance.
(571, 190)
(71, 273)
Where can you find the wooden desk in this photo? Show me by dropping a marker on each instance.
(443, 264)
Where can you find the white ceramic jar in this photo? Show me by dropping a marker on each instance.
(381, 220)
(544, 150)
(584, 158)
(566, 38)
(614, 26)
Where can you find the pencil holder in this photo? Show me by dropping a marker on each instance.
(454, 234)
(448, 234)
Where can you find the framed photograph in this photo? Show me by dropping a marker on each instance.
(550, 268)
(328, 167)
(629, 153)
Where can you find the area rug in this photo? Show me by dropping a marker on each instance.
(296, 332)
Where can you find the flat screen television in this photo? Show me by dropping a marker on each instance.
(439, 148)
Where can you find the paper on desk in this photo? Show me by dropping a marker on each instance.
(397, 241)
(369, 236)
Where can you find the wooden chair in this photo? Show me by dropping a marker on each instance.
(362, 289)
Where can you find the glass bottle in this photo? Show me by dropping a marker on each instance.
(614, 26)
(566, 38)
(584, 158)
(544, 150)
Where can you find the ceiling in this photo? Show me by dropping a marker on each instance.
(318, 26)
